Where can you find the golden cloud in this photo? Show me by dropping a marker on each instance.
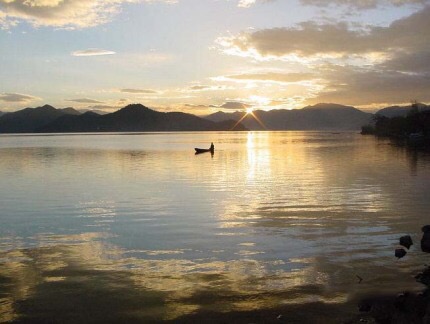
(271, 77)
(62, 13)
(339, 40)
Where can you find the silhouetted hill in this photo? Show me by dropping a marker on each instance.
(29, 119)
(400, 111)
(317, 117)
(133, 118)
(1, 113)
(138, 118)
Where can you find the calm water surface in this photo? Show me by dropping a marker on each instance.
(136, 227)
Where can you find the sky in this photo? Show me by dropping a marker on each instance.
(203, 56)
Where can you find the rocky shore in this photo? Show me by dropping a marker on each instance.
(402, 308)
(405, 307)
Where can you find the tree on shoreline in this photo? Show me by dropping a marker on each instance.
(415, 123)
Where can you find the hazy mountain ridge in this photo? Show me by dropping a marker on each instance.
(133, 118)
(29, 119)
(400, 111)
(96, 111)
(318, 117)
(323, 116)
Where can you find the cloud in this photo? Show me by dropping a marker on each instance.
(16, 98)
(92, 52)
(195, 106)
(139, 91)
(357, 4)
(362, 4)
(271, 77)
(362, 86)
(418, 62)
(104, 107)
(246, 3)
(202, 87)
(311, 39)
(63, 13)
(234, 105)
(353, 65)
(250, 3)
(85, 100)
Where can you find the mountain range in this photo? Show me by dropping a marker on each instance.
(133, 118)
(29, 119)
(318, 117)
(138, 118)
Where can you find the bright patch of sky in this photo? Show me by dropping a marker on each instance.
(196, 55)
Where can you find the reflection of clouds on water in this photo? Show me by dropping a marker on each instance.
(88, 269)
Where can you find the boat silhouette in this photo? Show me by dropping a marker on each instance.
(201, 150)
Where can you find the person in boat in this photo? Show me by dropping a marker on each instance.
(212, 148)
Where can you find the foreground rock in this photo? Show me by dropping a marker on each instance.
(405, 308)
(411, 308)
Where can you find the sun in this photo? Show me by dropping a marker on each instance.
(249, 112)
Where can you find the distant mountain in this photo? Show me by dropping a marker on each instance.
(70, 111)
(400, 111)
(29, 119)
(1, 113)
(134, 118)
(318, 117)
(142, 119)
(96, 111)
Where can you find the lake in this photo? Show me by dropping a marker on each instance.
(135, 227)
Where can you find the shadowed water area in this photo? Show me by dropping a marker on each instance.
(135, 227)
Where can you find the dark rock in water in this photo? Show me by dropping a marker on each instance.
(425, 241)
(424, 277)
(425, 228)
(400, 253)
(406, 241)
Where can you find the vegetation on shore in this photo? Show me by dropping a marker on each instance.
(414, 127)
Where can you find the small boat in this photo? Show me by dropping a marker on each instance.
(210, 149)
(200, 150)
